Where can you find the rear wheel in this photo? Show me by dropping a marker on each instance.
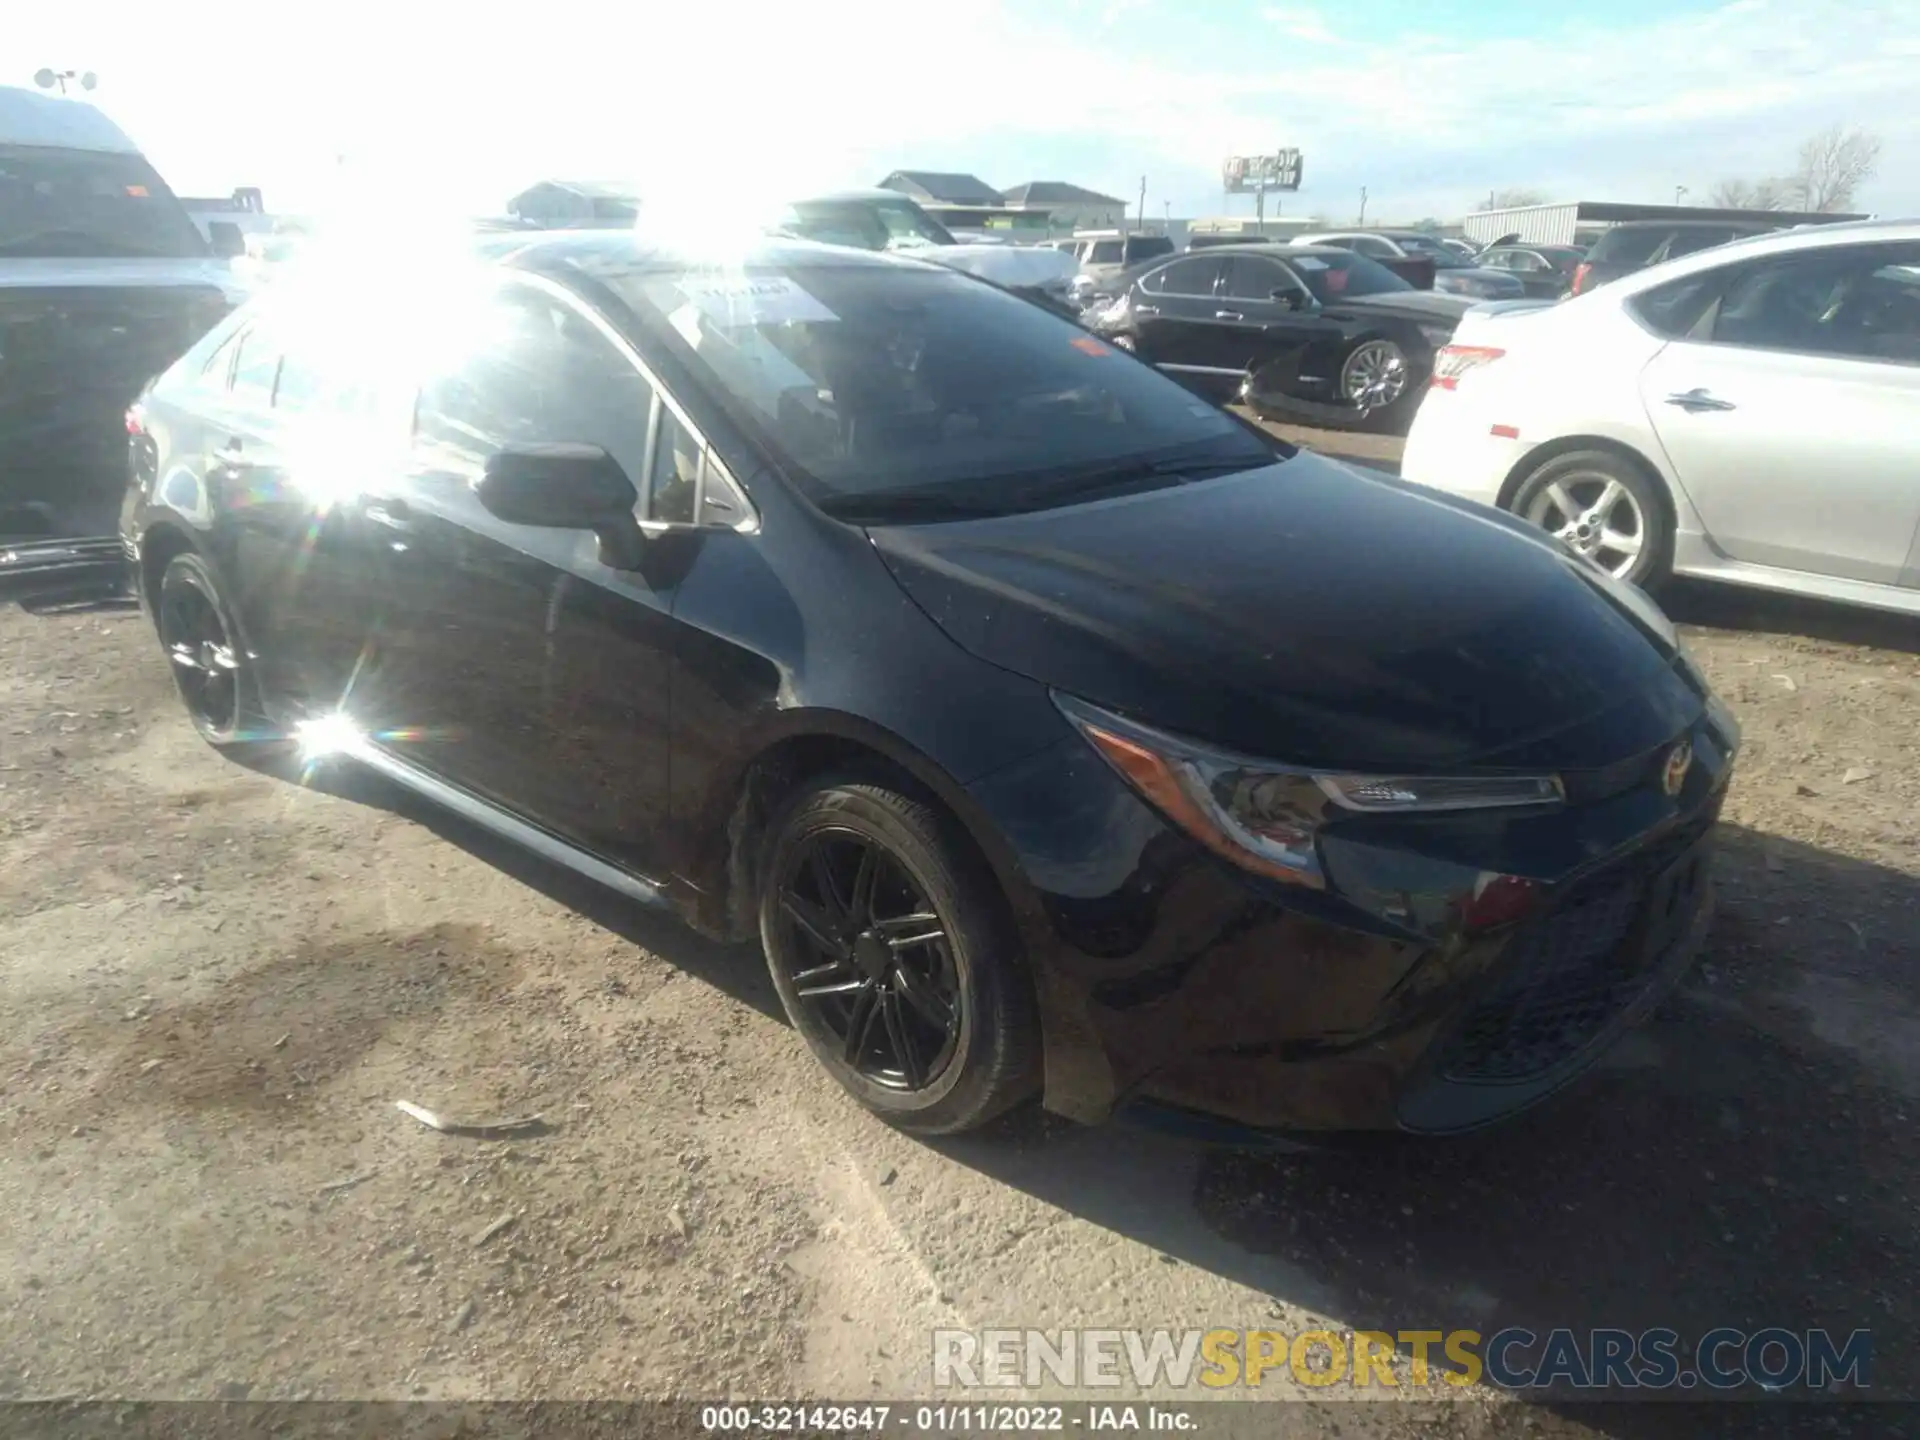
(1604, 506)
(894, 957)
(210, 667)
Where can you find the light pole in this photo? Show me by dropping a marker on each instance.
(1678, 191)
(47, 79)
(1363, 205)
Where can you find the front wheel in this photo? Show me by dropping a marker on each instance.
(895, 958)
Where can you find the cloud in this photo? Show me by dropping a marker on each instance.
(1300, 23)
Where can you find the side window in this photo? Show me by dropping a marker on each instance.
(299, 385)
(1189, 277)
(1527, 262)
(1859, 302)
(257, 368)
(547, 374)
(1339, 242)
(1105, 252)
(1678, 308)
(1497, 260)
(1251, 278)
(213, 371)
(543, 373)
(1373, 245)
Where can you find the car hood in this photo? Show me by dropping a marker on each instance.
(1306, 613)
(1414, 304)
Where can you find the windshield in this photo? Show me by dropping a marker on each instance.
(868, 224)
(881, 382)
(83, 204)
(1342, 275)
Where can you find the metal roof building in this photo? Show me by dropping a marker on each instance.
(1570, 221)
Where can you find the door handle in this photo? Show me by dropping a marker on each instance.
(1696, 400)
(1228, 315)
(394, 514)
(1146, 309)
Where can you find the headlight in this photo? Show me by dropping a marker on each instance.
(1264, 816)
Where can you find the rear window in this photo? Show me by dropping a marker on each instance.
(1337, 277)
(79, 204)
(875, 380)
(1685, 242)
(1623, 246)
(1148, 247)
(1104, 252)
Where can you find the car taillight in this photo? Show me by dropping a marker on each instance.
(1580, 274)
(136, 421)
(1453, 361)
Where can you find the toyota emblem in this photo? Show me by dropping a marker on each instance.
(1674, 774)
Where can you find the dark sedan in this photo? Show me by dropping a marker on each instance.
(1310, 334)
(1053, 731)
(1545, 272)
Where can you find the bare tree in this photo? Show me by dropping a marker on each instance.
(1832, 165)
(1512, 199)
(1751, 195)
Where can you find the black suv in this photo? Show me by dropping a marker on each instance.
(1636, 244)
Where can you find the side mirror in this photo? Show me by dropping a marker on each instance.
(566, 487)
(1289, 299)
(226, 239)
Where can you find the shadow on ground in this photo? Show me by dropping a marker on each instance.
(1737, 1163)
(1735, 607)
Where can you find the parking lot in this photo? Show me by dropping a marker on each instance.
(220, 982)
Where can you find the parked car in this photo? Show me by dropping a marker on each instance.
(1465, 249)
(104, 281)
(1545, 272)
(888, 220)
(1743, 414)
(1453, 274)
(1634, 245)
(1020, 705)
(1103, 258)
(1321, 336)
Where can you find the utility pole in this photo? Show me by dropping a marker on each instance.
(1143, 204)
(1678, 191)
(1363, 206)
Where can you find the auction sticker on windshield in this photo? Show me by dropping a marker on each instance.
(754, 300)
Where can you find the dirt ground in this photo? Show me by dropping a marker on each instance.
(217, 983)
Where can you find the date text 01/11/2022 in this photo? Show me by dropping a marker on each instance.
(941, 1419)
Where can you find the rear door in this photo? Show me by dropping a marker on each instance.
(1788, 410)
(1176, 314)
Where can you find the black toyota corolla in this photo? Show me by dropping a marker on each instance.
(1055, 732)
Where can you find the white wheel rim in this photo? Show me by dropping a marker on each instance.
(1596, 515)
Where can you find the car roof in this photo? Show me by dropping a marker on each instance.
(1774, 242)
(1757, 226)
(30, 118)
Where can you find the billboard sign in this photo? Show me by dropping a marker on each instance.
(1255, 174)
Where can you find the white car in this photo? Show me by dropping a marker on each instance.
(1749, 414)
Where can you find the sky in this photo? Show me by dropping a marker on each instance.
(1429, 104)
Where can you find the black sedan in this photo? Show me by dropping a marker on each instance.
(1309, 334)
(1052, 730)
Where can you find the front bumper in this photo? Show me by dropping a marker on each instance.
(1176, 986)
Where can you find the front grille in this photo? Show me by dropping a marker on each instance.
(1566, 976)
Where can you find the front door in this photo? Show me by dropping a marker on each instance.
(1788, 415)
(513, 662)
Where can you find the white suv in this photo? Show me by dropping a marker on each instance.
(1749, 413)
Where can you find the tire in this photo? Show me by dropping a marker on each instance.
(1394, 414)
(211, 669)
(1590, 478)
(891, 981)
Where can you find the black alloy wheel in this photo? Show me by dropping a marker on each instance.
(895, 956)
(204, 651)
(876, 965)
